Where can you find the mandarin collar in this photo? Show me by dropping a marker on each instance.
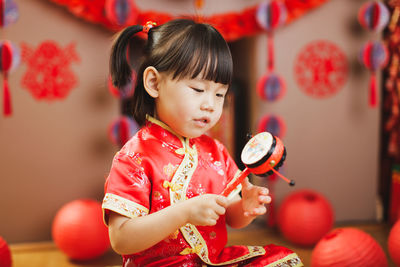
(186, 148)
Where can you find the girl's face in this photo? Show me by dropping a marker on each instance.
(190, 107)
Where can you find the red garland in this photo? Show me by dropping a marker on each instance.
(232, 25)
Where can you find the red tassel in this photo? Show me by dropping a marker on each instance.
(270, 52)
(373, 95)
(6, 98)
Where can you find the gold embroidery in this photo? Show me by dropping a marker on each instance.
(292, 260)
(195, 250)
(172, 186)
(182, 177)
(123, 206)
(174, 235)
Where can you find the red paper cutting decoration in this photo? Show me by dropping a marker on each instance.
(9, 60)
(321, 69)
(49, 75)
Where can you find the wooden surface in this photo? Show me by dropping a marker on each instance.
(46, 254)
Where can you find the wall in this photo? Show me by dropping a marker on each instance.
(54, 152)
(332, 143)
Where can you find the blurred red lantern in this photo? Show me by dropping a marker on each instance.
(10, 59)
(272, 124)
(9, 12)
(271, 14)
(78, 230)
(304, 217)
(121, 12)
(5, 254)
(394, 243)
(348, 247)
(125, 92)
(374, 56)
(373, 15)
(271, 87)
(121, 130)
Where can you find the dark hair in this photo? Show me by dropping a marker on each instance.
(181, 47)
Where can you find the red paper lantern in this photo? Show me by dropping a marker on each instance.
(78, 230)
(394, 243)
(125, 92)
(374, 55)
(304, 217)
(348, 247)
(8, 12)
(121, 130)
(5, 254)
(273, 124)
(271, 87)
(373, 15)
(121, 12)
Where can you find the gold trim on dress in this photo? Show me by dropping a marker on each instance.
(180, 182)
(122, 206)
(291, 260)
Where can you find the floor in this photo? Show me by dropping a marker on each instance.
(47, 255)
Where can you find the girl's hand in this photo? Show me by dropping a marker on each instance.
(254, 199)
(205, 210)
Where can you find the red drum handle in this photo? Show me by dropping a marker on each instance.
(235, 182)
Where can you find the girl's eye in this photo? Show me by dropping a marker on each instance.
(220, 95)
(198, 90)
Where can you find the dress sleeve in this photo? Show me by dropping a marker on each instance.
(127, 188)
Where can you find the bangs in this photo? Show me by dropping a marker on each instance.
(205, 55)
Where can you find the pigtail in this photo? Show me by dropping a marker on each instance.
(120, 69)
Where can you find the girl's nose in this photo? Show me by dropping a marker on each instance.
(208, 102)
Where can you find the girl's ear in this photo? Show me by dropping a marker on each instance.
(151, 79)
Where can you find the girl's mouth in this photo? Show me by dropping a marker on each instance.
(202, 121)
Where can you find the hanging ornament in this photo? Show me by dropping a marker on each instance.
(121, 130)
(373, 15)
(121, 12)
(270, 15)
(124, 92)
(271, 87)
(49, 75)
(9, 12)
(273, 124)
(374, 56)
(10, 59)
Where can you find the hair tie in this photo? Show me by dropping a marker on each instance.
(148, 26)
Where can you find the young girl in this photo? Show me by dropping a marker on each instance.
(162, 202)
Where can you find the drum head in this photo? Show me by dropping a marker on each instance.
(257, 148)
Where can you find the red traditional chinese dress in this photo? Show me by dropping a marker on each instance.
(158, 168)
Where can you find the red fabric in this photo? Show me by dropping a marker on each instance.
(137, 175)
(232, 25)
